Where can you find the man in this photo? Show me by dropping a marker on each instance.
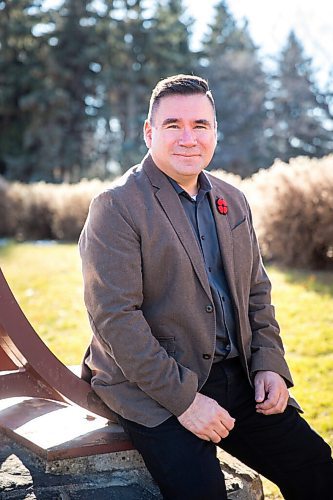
(186, 349)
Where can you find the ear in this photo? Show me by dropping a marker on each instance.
(215, 129)
(147, 133)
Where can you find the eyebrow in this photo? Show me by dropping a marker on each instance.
(200, 121)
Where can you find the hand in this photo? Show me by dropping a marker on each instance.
(207, 419)
(271, 393)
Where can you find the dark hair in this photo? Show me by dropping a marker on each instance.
(179, 84)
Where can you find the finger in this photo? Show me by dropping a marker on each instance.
(202, 436)
(260, 391)
(216, 437)
(217, 428)
(229, 425)
(281, 404)
(226, 419)
(279, 407)
(271, 400)
(272, 411)
(267, 404)
(223, 432)
(214, 429)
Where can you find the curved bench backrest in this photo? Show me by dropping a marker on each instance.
(38, 371)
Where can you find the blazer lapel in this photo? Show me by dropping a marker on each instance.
(169, 200)
(226, 243)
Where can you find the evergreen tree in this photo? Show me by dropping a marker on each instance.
(301, 121)
(123, 78)
(168, 50)
(49, 101)
(21, 68)
(66, 107)
(231, 64)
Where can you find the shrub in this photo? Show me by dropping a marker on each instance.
(4, 224)
(29, 211)
(45, 211)
(293, 211)
(233, 179)
(70, 208)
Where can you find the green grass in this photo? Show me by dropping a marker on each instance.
(47, 282)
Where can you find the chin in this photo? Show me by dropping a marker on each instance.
(190, 166)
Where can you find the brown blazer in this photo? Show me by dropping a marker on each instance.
(149, 300)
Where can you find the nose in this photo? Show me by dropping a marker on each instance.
(187, 137)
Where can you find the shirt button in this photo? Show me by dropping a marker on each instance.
(209, 308)
(206, 356)
(203, 237)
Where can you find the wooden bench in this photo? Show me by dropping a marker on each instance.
(35, 385)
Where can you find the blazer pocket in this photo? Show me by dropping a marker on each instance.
(168, 343)
(239, 223)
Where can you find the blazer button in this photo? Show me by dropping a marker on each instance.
(209, 308)
(206, 356)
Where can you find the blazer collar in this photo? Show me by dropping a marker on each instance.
(170, 203)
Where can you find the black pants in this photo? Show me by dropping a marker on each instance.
(281, 447)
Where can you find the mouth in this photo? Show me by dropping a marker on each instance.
(193, 155)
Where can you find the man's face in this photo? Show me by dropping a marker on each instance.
(182, 135)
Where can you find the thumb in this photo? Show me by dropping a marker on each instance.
(260, 391)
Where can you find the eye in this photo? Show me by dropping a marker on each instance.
(172, 125)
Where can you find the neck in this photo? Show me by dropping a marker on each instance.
(191, 187)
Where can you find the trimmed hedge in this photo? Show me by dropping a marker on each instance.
(292, 207)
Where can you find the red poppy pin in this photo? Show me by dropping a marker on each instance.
(222, 206)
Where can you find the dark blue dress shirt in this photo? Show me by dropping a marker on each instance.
(200, 215)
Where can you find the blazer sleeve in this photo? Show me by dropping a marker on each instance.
(267, 348)
(113, 288)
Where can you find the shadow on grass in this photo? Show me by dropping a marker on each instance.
(315, 281)
(6, 246)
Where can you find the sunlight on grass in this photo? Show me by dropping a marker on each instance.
(304, 309)
(46, 280)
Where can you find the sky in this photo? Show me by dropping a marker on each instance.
(270, 21)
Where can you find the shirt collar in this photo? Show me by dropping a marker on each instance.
(204, 183)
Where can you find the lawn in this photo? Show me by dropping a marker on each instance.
(46, 280)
